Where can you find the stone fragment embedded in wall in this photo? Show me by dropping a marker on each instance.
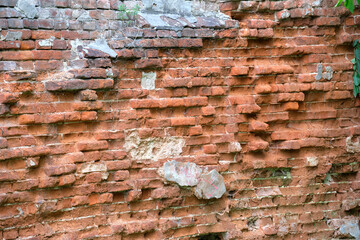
(153, 148)
(86, 168)
(352, 147)
(184, 174)
(347, 227)
(211, 185)
(208, 184)
(312, 161)
(148, 80)
(319, 69)
(27, 7)
(328, 74)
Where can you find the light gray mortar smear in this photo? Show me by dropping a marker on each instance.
(101, 45)
(27, 7)
(13, 36)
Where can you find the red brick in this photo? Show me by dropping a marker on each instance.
(210, 148)
(239, 70)
(60, 170)
(291, 97)
(184, 121)
(19, 55)
(66, 180)
(148, 63)
(121, 175)
(190, 43)
(197, 130)
(92, 145)
(258, 126)
(47, 55)
(264, 70)
(291, 106)
(208, 110)
(248, 108)
(257, 145)
(290, 145)
(48, 65)
(89, 73)
(335, 95)
(79, 200)
(6, 97)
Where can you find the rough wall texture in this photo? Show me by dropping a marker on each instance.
(92, 105)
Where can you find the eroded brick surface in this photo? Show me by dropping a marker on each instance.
(92, 105)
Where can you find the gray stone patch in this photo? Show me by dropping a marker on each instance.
(168, 6)
(184, 174)
(153, 148)
(148, 80)
(328, 73)
(346, 228)
(101, 45)
(27, 7)
(76, 47)
(211, 185)
(352, 147)
(13, 36)
(7, 65)
(47, 42)
(84, 16)
(154, 20)
(319, 69)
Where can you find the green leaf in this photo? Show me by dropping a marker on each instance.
(352, 61)
(357, 54)
(355, 42)
(356, 79)
(349, 4)
(339, 2)
(354, 92)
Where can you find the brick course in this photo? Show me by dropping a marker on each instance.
(67, 111)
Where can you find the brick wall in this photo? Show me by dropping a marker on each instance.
(92, 106)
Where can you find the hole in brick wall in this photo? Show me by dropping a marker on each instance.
(118, 197)
(252, 222)
(211, 236)
(231, 194)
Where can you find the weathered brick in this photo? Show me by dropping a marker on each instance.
(90, 146)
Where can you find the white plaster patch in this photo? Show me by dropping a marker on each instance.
(94, 167)
(312, 161)
(352, 147)
(153, 148)
(47, 42)
(27, 7)
(148, 80)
